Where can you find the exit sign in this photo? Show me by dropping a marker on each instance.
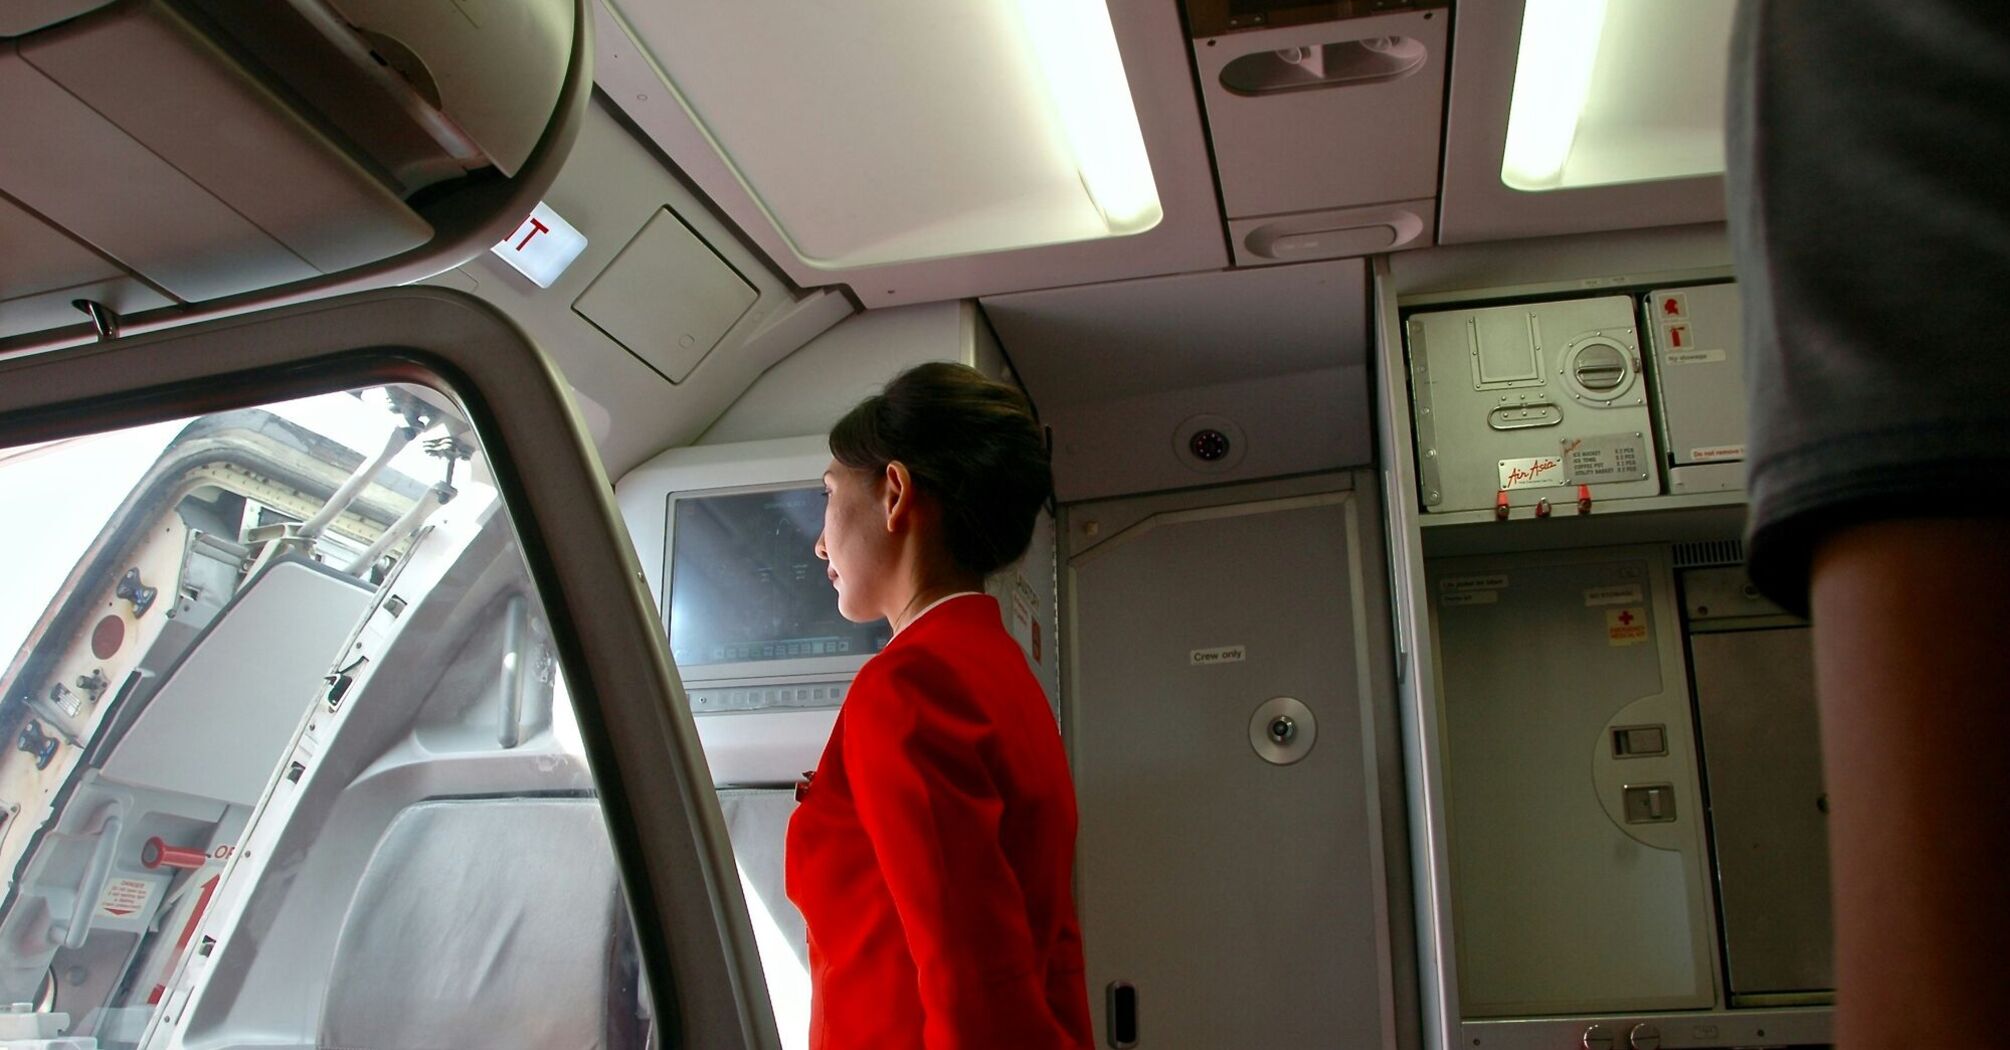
(542, 247)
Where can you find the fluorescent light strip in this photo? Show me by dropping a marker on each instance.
(1559, 48)
(1076, 49)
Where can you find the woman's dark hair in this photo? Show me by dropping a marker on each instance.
(970, 442)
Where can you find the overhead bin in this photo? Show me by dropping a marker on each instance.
(1323, 118)
(185, 152)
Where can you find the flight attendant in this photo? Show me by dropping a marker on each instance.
(933, 852)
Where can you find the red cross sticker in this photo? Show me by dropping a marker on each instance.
(1626, 618)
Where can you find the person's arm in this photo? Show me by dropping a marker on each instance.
(1912, 663)
(932, 809)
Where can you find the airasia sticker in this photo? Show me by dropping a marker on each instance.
(1532, 472)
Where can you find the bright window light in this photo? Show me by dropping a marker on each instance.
(1077, 52)
(1559, 48)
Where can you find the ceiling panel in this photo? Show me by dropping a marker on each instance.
(1109, 341)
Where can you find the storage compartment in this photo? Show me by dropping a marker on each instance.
(1699, 380)
(1543, 405)
(184, 151)
(1579, 871)
(1753, 667)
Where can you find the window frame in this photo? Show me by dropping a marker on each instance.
(677, 869)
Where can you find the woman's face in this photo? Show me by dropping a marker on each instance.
(856, 542)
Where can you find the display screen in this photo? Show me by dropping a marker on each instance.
(746, 583)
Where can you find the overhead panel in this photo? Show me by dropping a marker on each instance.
(1608, 93)
(1323, 118)
(917, 151)
(1608, 114)
(989, 126)
(668, 297)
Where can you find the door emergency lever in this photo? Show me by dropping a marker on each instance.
(73, 930)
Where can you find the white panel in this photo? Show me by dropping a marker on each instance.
(221, 719)
(1156, 61)
(496, 66)
(1477, 205)
(611, 186)
(811, 389)
(1277, 425)
(1562, 264)
(1106, 341)
(1365, 140)
(667, 297)
(1699, 378)
(944, 103)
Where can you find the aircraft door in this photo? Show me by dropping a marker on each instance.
(351, 722)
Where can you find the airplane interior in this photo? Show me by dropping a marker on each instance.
(411, 423)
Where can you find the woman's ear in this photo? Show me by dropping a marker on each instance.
(896, 495)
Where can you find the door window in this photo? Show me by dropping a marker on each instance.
(290, 755)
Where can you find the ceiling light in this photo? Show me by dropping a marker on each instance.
(1077, 54)
(905, 130)
(1559, 48)
(1617, 92)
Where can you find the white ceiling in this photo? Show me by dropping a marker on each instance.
(1108, 341)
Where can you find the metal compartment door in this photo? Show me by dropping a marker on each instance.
(1237, 883)
(1579, 871)
(1528, 403)
(1755, 699)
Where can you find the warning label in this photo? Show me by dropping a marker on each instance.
(1620, 595)
(1717, 453)
(1626, 626)
(1471, 598)
(1606, 458)
(125, 897)
(1492, 581)
(1693, 357)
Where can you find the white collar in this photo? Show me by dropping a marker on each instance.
(930, 607)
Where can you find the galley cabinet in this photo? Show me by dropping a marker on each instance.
(1617, 823)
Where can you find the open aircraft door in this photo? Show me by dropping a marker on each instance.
(429, 835)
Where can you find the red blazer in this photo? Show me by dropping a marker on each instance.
(933, 853)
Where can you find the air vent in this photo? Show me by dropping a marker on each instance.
(1699, 553)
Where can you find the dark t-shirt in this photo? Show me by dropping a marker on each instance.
(1869, 164)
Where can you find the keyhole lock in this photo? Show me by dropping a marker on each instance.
(1282, 730)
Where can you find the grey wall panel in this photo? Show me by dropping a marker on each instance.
(1564, 899)
(1755, 701)
(1245, 901)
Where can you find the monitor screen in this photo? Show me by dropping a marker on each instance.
(746, 584)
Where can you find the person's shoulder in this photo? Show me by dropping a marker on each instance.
(907, 662)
